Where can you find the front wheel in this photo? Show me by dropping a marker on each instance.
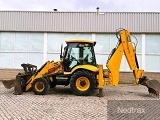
(82, 83)
(40, 86)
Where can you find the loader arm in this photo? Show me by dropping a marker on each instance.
(47, 69)
(125, 45)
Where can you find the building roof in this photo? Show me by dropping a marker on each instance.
(91, 22)
(80, 41)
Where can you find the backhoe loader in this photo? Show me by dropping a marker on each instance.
(77, 67)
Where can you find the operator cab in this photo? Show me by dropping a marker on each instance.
(78, 52)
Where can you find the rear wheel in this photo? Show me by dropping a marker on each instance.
(40, 86)
(82, 83)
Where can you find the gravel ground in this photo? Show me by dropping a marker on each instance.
(61, 104)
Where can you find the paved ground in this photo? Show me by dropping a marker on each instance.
(61, 104)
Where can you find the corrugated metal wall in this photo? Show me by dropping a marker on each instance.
(78, 21)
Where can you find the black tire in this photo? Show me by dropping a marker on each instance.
(82, 83)
(40, 86)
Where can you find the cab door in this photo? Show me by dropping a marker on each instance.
(72, 56)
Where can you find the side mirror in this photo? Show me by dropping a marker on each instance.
(61, 56)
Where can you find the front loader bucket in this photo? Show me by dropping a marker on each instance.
(152, 85)
(8, 83)
(16, 83)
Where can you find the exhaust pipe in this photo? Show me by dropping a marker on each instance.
(152, 85)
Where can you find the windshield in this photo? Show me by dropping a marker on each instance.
(79, 54)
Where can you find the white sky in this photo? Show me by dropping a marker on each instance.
(82, 5)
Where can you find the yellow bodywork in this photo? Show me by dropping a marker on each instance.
(49, 68)
(84, 67)
(113, 65)
(57, 68)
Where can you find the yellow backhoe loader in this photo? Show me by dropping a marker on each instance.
(77, 67)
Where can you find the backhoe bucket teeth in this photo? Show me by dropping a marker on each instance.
(152, 85)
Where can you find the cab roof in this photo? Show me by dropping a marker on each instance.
(80, 41)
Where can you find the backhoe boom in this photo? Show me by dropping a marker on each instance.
(125, 46)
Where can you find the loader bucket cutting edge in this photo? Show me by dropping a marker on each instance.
(152, 85)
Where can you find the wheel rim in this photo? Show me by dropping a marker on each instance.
(39, 86)
(82, 83)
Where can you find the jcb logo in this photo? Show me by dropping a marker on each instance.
(51, 70)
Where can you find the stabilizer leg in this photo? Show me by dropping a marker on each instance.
(100, 94)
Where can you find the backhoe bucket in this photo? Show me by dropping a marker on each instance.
(152, 85)
(16, 83)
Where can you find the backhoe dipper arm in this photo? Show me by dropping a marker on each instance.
(125, 46)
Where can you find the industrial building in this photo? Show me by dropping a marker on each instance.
(36, 36)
